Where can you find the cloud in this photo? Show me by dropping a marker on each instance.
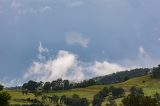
(23, 8)
(76, 38)
(142, 52)
(28, 10)
(142, 60)
(41, 49)
(61, 66)
(66, 65)
(15, 4)
(11, 83)
(104, 68)
(45, 9)
(75, 3)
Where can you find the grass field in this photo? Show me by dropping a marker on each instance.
(150, 87)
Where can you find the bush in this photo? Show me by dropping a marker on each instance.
(76, 101)
(4, 98)
(118, 92)
(139, 100)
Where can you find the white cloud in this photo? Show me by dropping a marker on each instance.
(142, 52)
(58, 67)
(142, 60)
(66, 65)
(76, 38)
(45, 9)
(104, 68)
(23, 8)
(11, 83)
(75, 3)
(41, 49)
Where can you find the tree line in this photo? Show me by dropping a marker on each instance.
(58, 84)
(122, 76)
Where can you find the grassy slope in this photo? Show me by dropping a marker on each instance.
(150, 87)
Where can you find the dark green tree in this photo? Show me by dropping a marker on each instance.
(66, 84)
(47, 86)
(156, 72)
(118, 92)
(4, 98)
(31, 86)
(139, 100)
(84, 102)
(1, 87)
(136, 91)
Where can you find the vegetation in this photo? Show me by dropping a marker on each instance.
(140, 90)
(4, 98)
(1, 87)
(137, 98)
(100, 96)
(58, 84)
(122, 76)
(156, 72)
(150, 87)
(118, 92)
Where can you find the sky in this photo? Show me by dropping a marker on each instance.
(44, 40)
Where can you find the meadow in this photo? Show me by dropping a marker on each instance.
(149, 85)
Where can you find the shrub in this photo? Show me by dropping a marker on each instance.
(4, 98)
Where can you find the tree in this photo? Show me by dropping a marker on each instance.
(4, 98)
(105, 90)
(1, 87)
(57, 84)
(97, 100)
(31, 86)
(139, 100)
(156, 72)
(100, 96)
(66, 84)
(84, 102)
(136, 91)
(75, 100)
(118, 92)
(47, 86)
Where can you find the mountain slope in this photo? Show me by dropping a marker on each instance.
(149, 85)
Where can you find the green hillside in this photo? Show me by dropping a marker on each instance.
(149, 85)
